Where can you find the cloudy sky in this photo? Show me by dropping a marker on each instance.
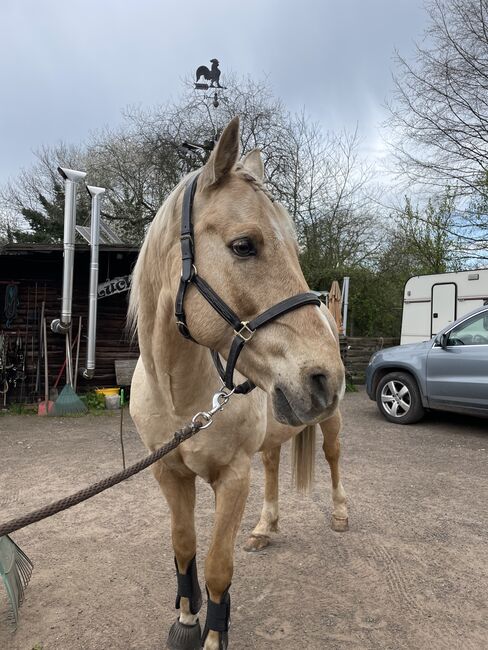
(68, 68)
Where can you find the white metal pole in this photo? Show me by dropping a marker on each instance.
(345, 302)
(71, 178)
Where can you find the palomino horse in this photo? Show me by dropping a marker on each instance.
(243, 245)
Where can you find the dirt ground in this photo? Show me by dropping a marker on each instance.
(410, 573)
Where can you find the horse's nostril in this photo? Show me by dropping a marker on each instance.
(319, 383)
(320, 390)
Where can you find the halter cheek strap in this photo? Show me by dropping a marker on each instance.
(243, 330)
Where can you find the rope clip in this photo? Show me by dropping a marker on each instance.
(219, 400)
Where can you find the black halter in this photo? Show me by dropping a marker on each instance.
(243, 330)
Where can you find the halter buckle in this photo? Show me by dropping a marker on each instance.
(188, 273)
(245, 333)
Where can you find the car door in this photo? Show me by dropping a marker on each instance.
(457, 374)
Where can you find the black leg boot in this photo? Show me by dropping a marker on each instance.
(218, 619)
(181, 636)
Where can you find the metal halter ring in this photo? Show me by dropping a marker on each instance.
(246, 333)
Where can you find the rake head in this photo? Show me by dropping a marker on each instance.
(16, 570)
(68, 403)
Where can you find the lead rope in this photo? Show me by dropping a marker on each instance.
(201, 420)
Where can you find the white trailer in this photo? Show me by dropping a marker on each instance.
(430, 302)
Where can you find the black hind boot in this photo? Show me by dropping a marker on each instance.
(181, 636)
(218, 619)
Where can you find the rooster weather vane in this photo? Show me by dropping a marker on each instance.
(212, 75)
(209, 74)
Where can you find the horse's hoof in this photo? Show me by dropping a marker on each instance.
(340, 525)
(256, 543)
(184, 637)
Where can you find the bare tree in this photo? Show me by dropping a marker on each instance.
(319, 176)
(10, 224)
(439, 112)
(328, 189)
(34, 200)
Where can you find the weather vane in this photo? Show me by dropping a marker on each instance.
(209, 74)
(203, 150)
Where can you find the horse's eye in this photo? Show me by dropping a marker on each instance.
(243, 247)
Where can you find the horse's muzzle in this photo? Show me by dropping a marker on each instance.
(314, 401)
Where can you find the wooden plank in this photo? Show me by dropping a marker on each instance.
(124, 369)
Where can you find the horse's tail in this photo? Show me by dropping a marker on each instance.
(303, 458)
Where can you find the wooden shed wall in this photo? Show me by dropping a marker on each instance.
(38, 276)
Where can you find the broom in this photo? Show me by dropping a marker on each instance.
(68, 402)
(16, 570)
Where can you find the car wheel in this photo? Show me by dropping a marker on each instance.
(398, 398)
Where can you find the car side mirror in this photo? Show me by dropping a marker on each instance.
(443, 338)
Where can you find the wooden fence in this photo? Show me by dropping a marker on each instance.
(356, 353)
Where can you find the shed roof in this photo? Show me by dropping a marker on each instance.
(23, 248)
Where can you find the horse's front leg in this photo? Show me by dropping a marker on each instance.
(268, 523)
(179, 490)
(332, 449)
(231, 489)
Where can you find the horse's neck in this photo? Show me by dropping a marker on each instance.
(184, 371)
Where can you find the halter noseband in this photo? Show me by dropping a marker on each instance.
(243, 330)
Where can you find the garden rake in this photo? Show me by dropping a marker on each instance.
(16, 570)
(68, 402)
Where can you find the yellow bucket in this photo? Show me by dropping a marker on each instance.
(107, 391)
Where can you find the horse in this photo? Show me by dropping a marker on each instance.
(221, 229)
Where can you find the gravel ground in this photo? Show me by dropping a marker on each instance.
(410, 573)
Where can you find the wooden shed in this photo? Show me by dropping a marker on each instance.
(30, 275)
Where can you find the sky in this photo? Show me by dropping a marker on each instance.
(68, 68)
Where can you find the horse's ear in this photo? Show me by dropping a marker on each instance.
(253, 163)
(223, 157)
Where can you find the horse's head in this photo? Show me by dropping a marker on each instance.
(245, 248)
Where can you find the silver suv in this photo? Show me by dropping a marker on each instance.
(448, 373)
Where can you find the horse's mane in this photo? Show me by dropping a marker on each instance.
(148, 267)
